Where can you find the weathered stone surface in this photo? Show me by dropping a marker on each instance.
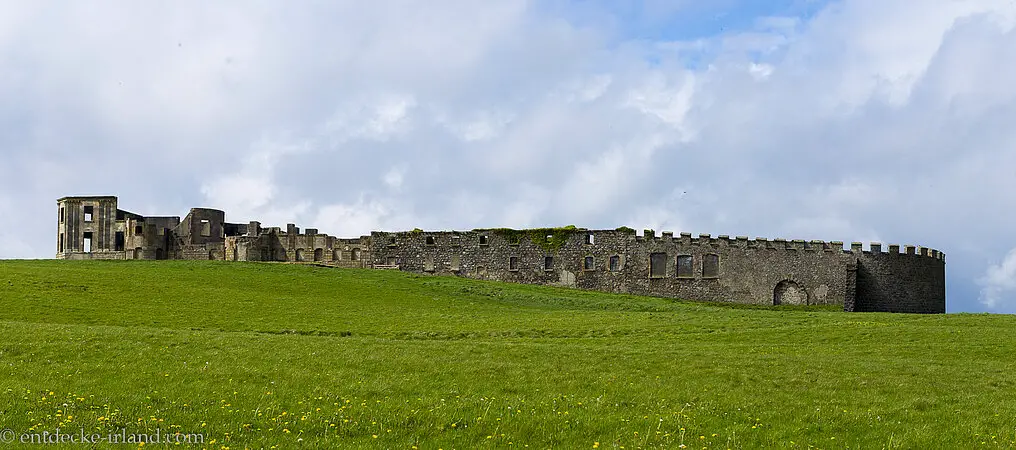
(720, 269)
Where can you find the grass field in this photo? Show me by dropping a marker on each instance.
(285, 356)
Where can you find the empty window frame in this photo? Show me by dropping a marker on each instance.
(206, 228)
(61, 214)
(60, 246)
(657, 265)
(89, 210)
(710, 266)
(588, 263)
(87, 239)
(685, 266)
(513, 263)
(614, 263)
(483, 239)
(590, 239)
(118, 241)
(548, 263)
(430, 240)
(139, 230)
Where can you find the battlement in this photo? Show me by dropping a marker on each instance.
(720, 268)
(591, 238)
(876, 249)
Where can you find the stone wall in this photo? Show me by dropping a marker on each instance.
(721, 269)
(912, 281)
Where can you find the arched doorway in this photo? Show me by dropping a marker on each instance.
(160, 253)
(299, 254)
(319, 254)
(356, 254)
(137, 253)
(788, 292)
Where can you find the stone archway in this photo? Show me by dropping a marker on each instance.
(789, 292)
(299, 254)
(319, 254)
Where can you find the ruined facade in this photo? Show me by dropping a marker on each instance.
(95, 228)
(720, 269)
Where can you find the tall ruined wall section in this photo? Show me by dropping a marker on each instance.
(745, 271)
(273, 244)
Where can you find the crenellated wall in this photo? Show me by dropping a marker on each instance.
(757, 271)
(719, 269)
(912, 281)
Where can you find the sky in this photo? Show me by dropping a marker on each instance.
(891, 121)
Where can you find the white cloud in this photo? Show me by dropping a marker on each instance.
(869, 120)
(998, 285)
(393, 178)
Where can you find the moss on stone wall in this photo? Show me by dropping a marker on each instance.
(549, 239)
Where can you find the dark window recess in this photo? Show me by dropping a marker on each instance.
(615, 263)
(61, 214)
(657, 265)
(587, 263)
(319, 254)
(711, 266)
(61, 245)
(430, 240)
(88, 213)
(206, 228)
(513, 263)
(684, 266)
(483, 240)
(548, 263)
(139, 230)
(118, 241)
(590, 239)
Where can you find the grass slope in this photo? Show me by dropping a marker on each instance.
(274, 355)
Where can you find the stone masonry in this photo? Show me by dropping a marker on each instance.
(719, 269)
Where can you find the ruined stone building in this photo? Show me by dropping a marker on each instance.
(720, 269)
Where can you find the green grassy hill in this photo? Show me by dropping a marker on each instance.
(262, 355)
